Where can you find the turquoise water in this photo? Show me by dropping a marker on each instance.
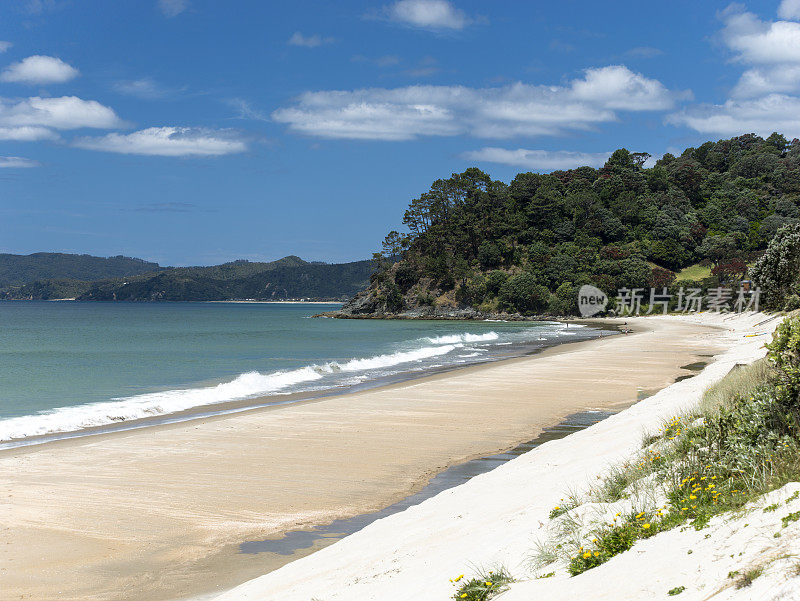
(67, 366)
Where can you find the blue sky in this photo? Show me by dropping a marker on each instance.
(200, 131)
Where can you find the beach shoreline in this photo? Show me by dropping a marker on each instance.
(270, 401)
(158, 513)
(496, 518)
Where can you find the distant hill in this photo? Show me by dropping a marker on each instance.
(16, 270)
(287, 278)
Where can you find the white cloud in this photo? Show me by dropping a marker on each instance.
(144, 88)
(538, 159)
(789, 9)
(428, 14)
(760, 42)
(16, 162)
(761, 81)
(27, 134)
(172, 8)
(39, 69)
(761, 101)
(245, 110)
(167, 141)
(772, 49)
(502, 112)
(66, 112)
(4, 46)
(617, 87)
(776, 112)
(311, 41)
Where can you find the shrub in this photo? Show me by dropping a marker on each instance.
(784, 352)
(426, 299)
(776, 271)
(792, 303)
(405, 276)
(564, 301)
(521, 293)
(494, 281)
(489, 254)
(483, 586)
(392, 298)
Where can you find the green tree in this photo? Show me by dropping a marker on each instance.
(521, 293)
(777, 271)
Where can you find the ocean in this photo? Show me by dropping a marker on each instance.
(70, 368)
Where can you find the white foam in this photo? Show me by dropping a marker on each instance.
(247, 385)
(462, 338)
(397, 358)
(79, 417)
(253, 384)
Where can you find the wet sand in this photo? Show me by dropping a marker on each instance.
(159, 513)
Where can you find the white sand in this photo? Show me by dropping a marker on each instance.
(495, 518)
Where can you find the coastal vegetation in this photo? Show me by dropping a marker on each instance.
(738, 444)
(482, 586)
(287, 278)
(527, 246)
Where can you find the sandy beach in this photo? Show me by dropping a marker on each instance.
(158, 513)
(496, 519)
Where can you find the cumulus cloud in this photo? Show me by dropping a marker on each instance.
(4, 46)
(757, 41)
(503, 112)
(548, 160)
(167, 141)
(27, 134)
(770, 49)
(17, 162)
(172, 8)
(762, 100)
(311, 41)
(775, 112)
(758, 82)
(39, 69)
(427, 14)
(66, 112)
(789, 9)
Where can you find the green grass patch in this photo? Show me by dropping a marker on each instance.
(694, 272)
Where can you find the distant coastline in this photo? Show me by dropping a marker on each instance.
(275, 302)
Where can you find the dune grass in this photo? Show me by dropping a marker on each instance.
(482, 586)
(739, 443)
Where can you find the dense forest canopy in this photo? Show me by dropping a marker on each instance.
(526, 246)
(16, 270)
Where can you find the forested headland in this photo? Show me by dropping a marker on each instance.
(477, 244)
